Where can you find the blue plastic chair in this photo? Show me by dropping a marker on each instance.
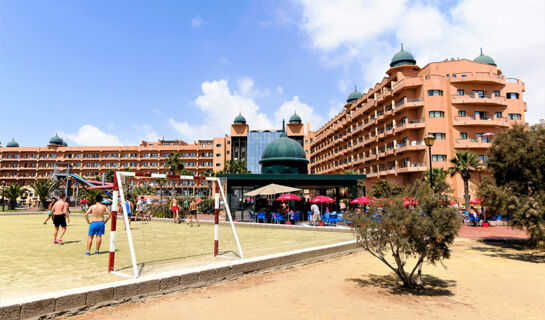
(309, 215)
(261, 216)
(297, 216)
(278, 217)
(333, 218)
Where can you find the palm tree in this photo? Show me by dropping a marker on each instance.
(208, 173)
(463, 163)
(12, 193)
(174, 163)
(235, 167)
(42, 188)
(90, 195)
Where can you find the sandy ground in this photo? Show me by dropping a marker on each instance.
(480, 281)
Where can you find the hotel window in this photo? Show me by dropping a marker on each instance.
(133, 164)
(218, 155)
(134, 155)
(154, 164)
(498, 114)
(463, 135)
(514, 116)
(481, 115)
(403, 121)
(107, 164)
(461, 113)
(483, 158)
(146, 155)
(165, 155)
(96, 155)
(438, 157)
(184, 155)
(107, 155)
(460, 92)
(439, 135)
(432, 93)
(478, 94)
(126, 155)
(77, 155)
(146, 164)
(77, 165)
(16, 156)
(512, 95)
(35, 156)
(496, 93)
(154, 155)
(437, 114)
(218, 164)
(218, 145)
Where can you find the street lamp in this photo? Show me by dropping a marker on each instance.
(429, 140)
(479, 169)
(3, 191)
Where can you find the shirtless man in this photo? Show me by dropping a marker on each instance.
(49, 210)
(193, 213)
(60, 215)
(174, 205)
(96, 226)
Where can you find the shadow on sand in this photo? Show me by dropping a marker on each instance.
(433, 286)
(512, 249)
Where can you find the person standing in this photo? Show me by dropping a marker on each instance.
(49, 210)
(174, 205)
(315, 214)
(96, 226)
(60, 216)
(139, 208)
(193, 213)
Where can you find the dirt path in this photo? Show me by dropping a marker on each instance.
(481, 281)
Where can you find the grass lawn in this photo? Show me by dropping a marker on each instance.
(31, 264)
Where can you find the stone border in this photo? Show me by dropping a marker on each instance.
(79, 300)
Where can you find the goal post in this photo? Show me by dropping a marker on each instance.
(118, 197)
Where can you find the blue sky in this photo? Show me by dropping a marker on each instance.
(116, 72)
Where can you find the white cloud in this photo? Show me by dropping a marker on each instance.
(219, 106)
(196, 22)
(89, 135)
(367, 33)
(279, 90)
(335, 107)
(146, 133)
(306, 112)
(247, 88)
(157, 111)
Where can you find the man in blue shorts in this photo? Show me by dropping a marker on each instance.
(96, 226)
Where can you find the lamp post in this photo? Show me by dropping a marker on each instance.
(429, 140)
(479, 169)
(3, 190)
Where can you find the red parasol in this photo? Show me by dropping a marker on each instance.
(475, 201)
(288, 196)
(321, 199)
(198, 200)
(361, 200)
(409, 201)
(84, 201)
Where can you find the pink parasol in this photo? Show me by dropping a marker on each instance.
(361, 200)
(288, 196)
(475, 201)
(198, 200)
(84, 201)
(409, 201)
(321, 199)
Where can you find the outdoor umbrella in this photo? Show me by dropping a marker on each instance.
(321, 199)
(271, 189)
(84, 201)
(475, 201)
(361, 200)
(198, 200)
(288, 196)
(409, 201)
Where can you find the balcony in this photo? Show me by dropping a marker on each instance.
(409, 103)
(481, 121)
(407, 83)
(479, 143)
(410, 146)
(413, 167)
(410, 124)
(479, 99)
(477, 77)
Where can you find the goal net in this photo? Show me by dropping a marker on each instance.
(148, 241)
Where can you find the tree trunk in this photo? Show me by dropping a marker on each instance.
(466, 193)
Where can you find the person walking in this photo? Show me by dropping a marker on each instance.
(97, 224)
(60, 217)
(139, 208)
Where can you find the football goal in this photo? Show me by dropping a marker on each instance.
(158, 238)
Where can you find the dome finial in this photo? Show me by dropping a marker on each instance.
(481, 51)
(402, 46)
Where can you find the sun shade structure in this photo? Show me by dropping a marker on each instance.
(361, 200)
(475, 201)
(288, 196)
(271, 189)
(321, 199)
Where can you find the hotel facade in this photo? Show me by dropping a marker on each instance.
(22, 165)
(380, 133)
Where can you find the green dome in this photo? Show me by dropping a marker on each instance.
(484, 59)
(56, 140)
(402, 58)
(12, 144)
(283, 155)
(240, 119)
(64, 144)
(354, 96)
(295, 118)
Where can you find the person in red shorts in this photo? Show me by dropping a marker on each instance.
(175, 209)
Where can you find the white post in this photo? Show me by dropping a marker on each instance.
(230, 219)
(127, 227)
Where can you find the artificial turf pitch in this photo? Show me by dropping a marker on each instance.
(31, 264)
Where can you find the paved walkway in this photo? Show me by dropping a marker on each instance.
(492, 233)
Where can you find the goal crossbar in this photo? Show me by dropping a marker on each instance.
(118, 195)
